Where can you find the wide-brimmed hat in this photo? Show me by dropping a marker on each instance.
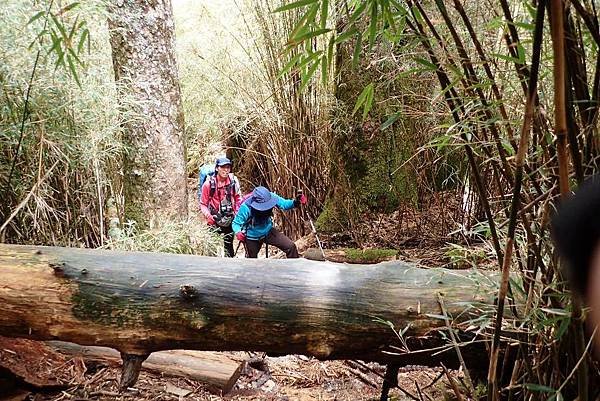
(262, 199)
(222, 161)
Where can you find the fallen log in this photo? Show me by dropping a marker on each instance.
(219, 372)
(139, 303)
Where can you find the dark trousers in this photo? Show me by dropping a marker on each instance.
(276, 238)
(227, 239)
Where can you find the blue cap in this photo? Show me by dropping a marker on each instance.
(222, 161)
(262, 199)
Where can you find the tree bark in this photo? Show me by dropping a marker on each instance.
(142, 41)
(139, 303)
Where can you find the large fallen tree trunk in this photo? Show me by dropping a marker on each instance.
(144, 302)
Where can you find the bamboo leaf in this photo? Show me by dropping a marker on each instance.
(73, 70)
(391, 120)
(373, 24)
(37, 38)
(562, 329)
(524, 25)
(307, 77)
(324, 12)
(68, 7)
(296, 4)
(85, 34)
(73, 28)
(74, 55)
(360, 100)
(303, 23)
(365, 100)
(36, 17)
(312, 14)
(538, 387)
(368, 102)
(357, 49)
(417, 14)
(506, 58)
(289, 65)
(60, 27)
(56, 47)
(426, 63)
(521, 53)
(346, 34)
(388, 16)
(308, 59)
(309, 35)
(358, 11)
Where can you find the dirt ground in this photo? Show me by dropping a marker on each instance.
(278, 379)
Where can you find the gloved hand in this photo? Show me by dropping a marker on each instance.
(210, 219)
(241, 236)
(300, 200)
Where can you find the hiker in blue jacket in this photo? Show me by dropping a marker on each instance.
(253, 223)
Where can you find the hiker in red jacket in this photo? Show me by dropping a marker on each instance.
(219, 201)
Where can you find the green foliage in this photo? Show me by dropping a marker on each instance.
(66, 42)
(221, 85)
(376, 17)
(66, 165)
(185, 237)
(332, 218)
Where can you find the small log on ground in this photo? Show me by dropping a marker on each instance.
(139, 303)
(217, 370)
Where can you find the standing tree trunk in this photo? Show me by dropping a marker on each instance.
(142, 41)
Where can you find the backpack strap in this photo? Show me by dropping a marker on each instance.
(213, 186)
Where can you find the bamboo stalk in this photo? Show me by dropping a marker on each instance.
(560, 122)
(450, 100)
(493, 391)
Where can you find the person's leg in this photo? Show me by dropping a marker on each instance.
(282, 242)
(228, 241)
(252, 248)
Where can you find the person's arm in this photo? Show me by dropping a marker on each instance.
(240, 218)
(284, 203)
(204, 200)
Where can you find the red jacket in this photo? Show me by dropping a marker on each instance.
(207, 203)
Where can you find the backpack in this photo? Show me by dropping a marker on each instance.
(205, 171)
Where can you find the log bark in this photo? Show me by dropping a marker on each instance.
(139, 303)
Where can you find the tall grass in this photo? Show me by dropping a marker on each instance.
(74, 130)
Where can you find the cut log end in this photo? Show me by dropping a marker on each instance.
(132, 364)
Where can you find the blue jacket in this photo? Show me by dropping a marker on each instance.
(243, 219)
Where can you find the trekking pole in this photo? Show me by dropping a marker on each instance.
(312, 227)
